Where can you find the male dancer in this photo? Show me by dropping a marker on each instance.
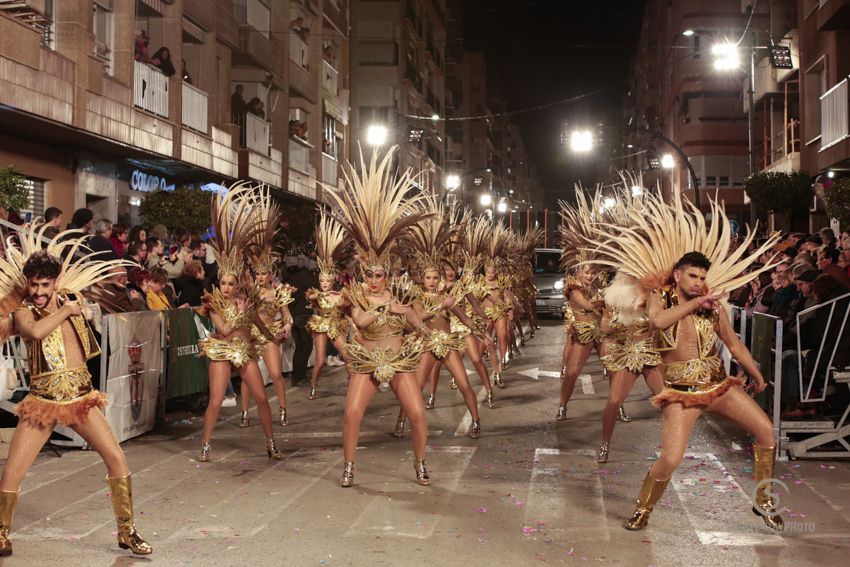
(59, 342)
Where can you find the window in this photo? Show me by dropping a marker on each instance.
(48, 27)
(103, 28)
(331, 136)
(35, 187)
(724, 181)
(377, 53)
(711, 181)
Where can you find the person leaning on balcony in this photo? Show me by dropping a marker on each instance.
(141, 46)
(238, 106)
(162, 61)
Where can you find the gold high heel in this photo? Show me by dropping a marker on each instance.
(452, 383)
(650, 494)
(430, 403)
(272, 450)
(347, 479)
(205, 452)
(399, 428)
(491, 403)
(7, 510)
(621, 415)
(244, 421)
(562, 413)
(283, 421)
(497, 379)
(602, 455)
(765, 506)
(312, 394)
(122, 504)
(421, 472)
(475, 429)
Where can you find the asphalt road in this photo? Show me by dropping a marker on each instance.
(528, 491)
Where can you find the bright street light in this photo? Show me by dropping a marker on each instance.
(667, 161)
(688, 33)
(452, 181)
(435, 117)
(486, 199)
(376, 135)
(502, 207)
(726, 56)
(581, 141)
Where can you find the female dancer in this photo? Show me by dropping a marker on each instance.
(328, 321)
(497, 303)
(232, 306)
(374, 211)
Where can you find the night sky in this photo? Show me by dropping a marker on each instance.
(542, 51)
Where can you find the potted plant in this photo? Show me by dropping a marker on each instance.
(14, 195)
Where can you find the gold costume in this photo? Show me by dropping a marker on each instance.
(239, 350)
(328, 319)
(436, 341)
(384, 362)
(270, 308)
(700, 380)
(59, 394)
(632, 348)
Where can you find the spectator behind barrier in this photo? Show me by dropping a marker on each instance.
(190, 285)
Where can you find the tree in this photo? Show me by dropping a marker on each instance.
(14, 194)
(181, 209)
(837, 199)
(780, 192)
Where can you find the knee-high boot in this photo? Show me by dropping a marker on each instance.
(764, 503)
(7, 510)
(649, 495)
(122, 504)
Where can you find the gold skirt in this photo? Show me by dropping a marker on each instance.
(238, 352)
(696, 382)
(631, 354)
(569, 318)
(458, 328)
(440, 343)
(332, 326)
(64, 397)
(585, 332)
(274, 328)
(496, 311)
(383, 362)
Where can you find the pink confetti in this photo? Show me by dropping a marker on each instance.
(481, 509)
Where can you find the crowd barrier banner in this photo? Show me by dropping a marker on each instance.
(132, 346)
(186, 372)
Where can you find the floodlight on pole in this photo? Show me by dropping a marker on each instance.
(688, 32)
(581, 141)
(726, 56)
(502, 207)
(486, 199)
(667, 161)
(435, 117)
(452, 181)
(376, 135)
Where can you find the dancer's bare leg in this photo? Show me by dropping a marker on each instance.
(219, 373)
(406, 388)
(361, 390)
(250, 374)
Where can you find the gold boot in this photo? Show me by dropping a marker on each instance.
(347, 479)
(764, 503)
(244, 421)
(7, 510)
(562, 413)
(122, 503)
(399, 428)
(272, 450)
(649, 495)
(421, 472)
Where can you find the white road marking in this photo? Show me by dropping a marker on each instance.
(463, 427)
(402, 517)
(535, 373)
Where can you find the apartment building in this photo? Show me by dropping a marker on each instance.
(674, 87)
(92, 116)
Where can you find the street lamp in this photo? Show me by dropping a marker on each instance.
(726, 56)
(502, 207)
(486, 200)
(452, 181)
(376, 135)
(581, 141)
(667, 161)
(688, 33)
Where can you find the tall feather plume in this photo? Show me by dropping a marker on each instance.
(476, 238)
(264, 219)
(576, 230)
(428, 240)
(330, 241)
(375, 208)
(231, 216)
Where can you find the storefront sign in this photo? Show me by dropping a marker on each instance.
(141, 181)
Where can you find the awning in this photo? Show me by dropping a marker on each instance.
(156, 5)
(194, 32)
(336, 111)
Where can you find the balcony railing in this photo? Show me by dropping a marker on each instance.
(330, 78)
(784, 143)
(834, 124)
(299, 51)
(194, 108)
(150, 89)
(299, 157)
(256, 133)
(330, 170)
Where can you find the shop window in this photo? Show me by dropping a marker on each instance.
(104, 34)
(35, 188)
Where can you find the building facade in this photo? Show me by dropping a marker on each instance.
(94, 116)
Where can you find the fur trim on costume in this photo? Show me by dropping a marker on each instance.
(689, 399)
(44, 414)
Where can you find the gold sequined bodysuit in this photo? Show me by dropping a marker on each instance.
(238, 350)
(327, 317)
(632, 346)
(438, 341)
(271, 307)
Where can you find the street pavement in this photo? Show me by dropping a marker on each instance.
(528, 491)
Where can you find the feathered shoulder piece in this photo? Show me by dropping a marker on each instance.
(265, 216)
(231, 216)
(375, 207)
(81, 268)
(330, 241)
(661, 233)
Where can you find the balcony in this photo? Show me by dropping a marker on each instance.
(199, 11)
(195, 113)
(335, 14)
(330, 78)
(150, 89)
(834, 125)
(299, 156)
(300, 77)
(255, 49)
(256, 134)
(782, 152)
(833, 15)
(299, 51)
(330, 170)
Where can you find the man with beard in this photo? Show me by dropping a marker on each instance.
(60, 342)
(689, 319)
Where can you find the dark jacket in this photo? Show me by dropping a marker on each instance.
(189, 290)
(102, 247)
(302, 280)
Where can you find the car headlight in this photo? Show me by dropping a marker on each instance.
(559, 285)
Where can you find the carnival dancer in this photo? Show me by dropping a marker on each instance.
(375, 211)
(273, 299)
(429, 241)
(59, 341)
(688, 276)
(524, 289)
(233, 308)
(328, 322)
(497, 303)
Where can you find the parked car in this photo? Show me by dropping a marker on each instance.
(549, 281)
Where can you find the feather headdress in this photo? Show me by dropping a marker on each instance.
(231, 218)
(375, 209)
(476, 237)
(498, 246)
(576, 230)
(429, 239)
(265, 218)
(330, 240)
